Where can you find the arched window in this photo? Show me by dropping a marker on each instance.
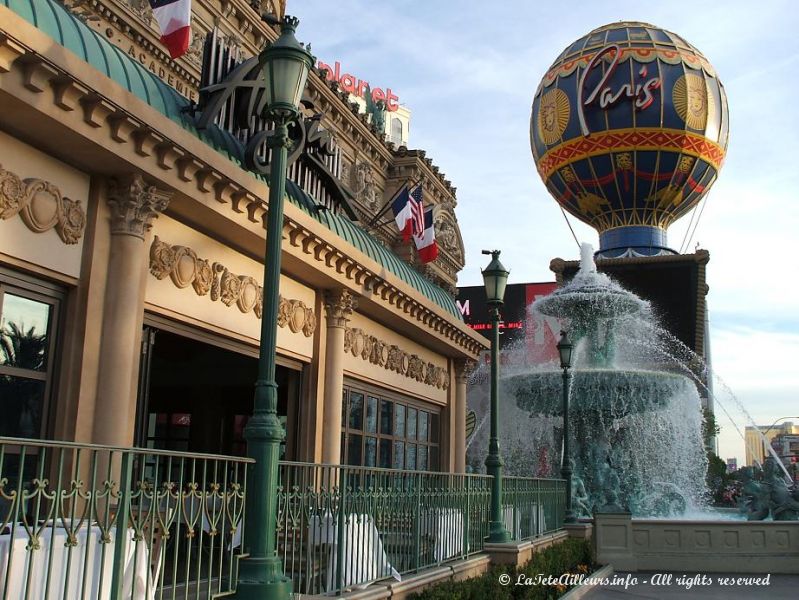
(396, 130)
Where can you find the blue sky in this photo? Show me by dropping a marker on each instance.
(468, 71)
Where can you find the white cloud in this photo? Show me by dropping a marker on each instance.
(469, 77)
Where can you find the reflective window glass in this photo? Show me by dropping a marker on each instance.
(386, 416)
(21, 405)
(411, 429)
(410, 457)
(371, 415)
(24, 325)
(421, 458)
(399, 455)
(354, 449)
(370, 452)
(356, 411)
(399, 420)
(423, 429)
(384, 460)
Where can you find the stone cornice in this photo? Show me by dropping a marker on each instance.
(103, 113)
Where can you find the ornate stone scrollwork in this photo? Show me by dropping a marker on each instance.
(195, 52)
(390, 356)
(182, 265)
(364, 186)
(141, 8)
(295, 315)
(448, 233)
(41, 206)
(134, 205)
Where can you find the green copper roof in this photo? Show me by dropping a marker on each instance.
(71, 33)
(56, 21)
(373, 249)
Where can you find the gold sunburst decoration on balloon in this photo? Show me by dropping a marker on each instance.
(553, 116)
(693, 100)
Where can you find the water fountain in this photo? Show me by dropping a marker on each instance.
(637, 439)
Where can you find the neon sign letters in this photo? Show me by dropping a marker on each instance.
(640, 93)
(353, 85)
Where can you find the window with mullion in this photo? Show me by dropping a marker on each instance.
(388, 433)
(27, 357)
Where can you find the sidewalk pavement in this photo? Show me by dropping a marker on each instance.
(703, 586)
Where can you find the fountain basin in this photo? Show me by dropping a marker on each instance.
(613, 392)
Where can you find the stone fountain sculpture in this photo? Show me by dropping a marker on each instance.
(637, 442)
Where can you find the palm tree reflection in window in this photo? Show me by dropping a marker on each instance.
(23, 366)
(23, 349)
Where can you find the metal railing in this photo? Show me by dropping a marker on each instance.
(93, 522)
(341, 527)
(533, 507)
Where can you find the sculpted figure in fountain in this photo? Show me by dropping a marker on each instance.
(581, 502)
(754, 496)
(784, 500)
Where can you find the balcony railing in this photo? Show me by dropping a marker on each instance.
(533, 506)
(93, 522)
(342, 527)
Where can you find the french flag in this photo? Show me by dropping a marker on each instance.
(403, 213)
(426, 245)
(174, 21)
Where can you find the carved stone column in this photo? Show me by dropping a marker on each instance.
(463, 370)
(133, 205)
(338, 309)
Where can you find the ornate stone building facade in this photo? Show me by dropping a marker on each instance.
(131, 251)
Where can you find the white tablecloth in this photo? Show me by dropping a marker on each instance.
(530, 521)
(22, 567)
(445, 527)
(364, 559)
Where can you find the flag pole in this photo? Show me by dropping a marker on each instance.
(387, 205)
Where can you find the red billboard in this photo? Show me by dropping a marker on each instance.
(524, 336)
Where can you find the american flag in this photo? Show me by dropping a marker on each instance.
(417, 210)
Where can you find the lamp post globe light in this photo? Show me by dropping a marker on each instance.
(565, 348)
(285, 65)
(495, 278)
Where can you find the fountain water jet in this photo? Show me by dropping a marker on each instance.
(637, 440)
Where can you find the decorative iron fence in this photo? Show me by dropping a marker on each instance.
(93, 522)
(533, 507)
(342, 527)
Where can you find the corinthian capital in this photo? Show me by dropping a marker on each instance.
(464, 368)
(339, 305)
(134, 205)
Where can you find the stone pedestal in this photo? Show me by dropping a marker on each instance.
(580, 531)
(613, 539)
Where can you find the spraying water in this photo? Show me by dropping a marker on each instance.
(637, 424)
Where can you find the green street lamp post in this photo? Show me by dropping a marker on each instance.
(495, 277)
(285, 65)
(565, 348)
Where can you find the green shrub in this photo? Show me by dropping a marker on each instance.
(569, 556)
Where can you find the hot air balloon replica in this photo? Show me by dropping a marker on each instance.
(628, 130)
